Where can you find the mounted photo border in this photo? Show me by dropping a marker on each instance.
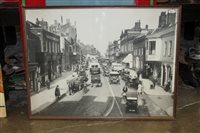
(61, 65)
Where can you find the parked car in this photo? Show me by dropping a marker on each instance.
(83, 75)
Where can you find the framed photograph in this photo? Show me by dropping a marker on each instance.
(101, 62)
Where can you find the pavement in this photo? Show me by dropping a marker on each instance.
(158, 95)
(47, 97)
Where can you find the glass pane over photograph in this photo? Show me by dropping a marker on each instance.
(101, 62)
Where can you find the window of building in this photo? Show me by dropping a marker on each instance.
(70, 49)
(152, 47)
(170, 48)
(142, 53)
(141, 64)
(146, 45)
(165, 48)
(131, 47)
(136, 52)
(52, 46)
(67, 49)
(48, 46)
(55, 48)
(44, 46)
(58, 47)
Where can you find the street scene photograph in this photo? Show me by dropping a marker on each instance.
(101, 62)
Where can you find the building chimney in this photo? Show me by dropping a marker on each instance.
(171, 18)
(37, 21)
(67, 21)
(137, 26)
(61, 20)
(146, 27)
(55, 22)
(162, 19)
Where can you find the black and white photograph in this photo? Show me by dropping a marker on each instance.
(101, 62)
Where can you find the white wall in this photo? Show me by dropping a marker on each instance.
(157, 55)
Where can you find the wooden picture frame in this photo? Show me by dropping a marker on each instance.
(80, 60)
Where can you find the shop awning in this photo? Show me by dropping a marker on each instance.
(128, 58)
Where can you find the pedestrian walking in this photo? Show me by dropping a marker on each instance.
(47, 84)
(38, 85)
(140, 89)
(85, 89)
(70, 88)
(125, 90)
(57, 92)
(73, 87)
(154, 83)
(167, 86)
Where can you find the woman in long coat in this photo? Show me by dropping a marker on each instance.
(57, 92)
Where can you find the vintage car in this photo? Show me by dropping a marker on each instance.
(76, 84)
(131, 102)
(83, 76)
(114, 77)
(96, 80)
